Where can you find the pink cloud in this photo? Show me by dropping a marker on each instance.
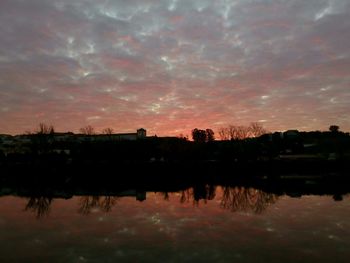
(171, 69)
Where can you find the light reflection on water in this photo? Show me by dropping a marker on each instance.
(222, 224)
(230, 198)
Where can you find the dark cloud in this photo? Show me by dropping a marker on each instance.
(174, 65)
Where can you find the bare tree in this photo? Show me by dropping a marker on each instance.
(108, 131)
(41, 138)
(256, 129)
(224, 133)
(45, 129)
(238, 132)
(87, 130)
(235, 132)
(242, 132)
(232, 131)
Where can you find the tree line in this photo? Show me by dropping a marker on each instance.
(231, 132)
(47, 129)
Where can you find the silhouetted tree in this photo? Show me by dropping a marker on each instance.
(210, 135)
(42, 138)
(238, 132)
(234, 132)
(206, 135)
(256, 129)
(107, 131)
(334, 128)
(199, 135)
(224, 134)
(242, 132)
(45, 129)
(183, 137)
(87, 130)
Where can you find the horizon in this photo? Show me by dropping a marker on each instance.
(187, 135)
(171, 66)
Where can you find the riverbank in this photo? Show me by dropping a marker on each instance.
(326, 177)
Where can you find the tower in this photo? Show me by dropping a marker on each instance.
(141, 133)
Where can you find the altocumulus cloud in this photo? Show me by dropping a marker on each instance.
(170, 66)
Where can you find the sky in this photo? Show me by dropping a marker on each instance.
(174, 65)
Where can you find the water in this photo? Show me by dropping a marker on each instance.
(232, 224)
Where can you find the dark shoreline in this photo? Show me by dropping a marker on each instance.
(187, 168)
(278, 177)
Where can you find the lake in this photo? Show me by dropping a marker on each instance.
(213, 224)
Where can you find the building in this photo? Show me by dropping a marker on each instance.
(139, 134)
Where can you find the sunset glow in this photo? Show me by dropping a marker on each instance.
(171, 66)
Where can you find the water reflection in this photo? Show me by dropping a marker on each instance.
(234, 199)
(40, 205)
(105, 203)
(197, 193)
(244, 199)
(196, 224)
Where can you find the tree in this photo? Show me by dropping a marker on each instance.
(42, 137)
(183, 137)
(234, 132)
(210, 135)
(87, 130)
(238, 132)
(45, 129)
(256, 129)
(206, 135)
(107, 131)
(199, 135)
(334, 128)
(224, 134)
(242, 132)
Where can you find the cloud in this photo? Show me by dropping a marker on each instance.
(171, 66)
